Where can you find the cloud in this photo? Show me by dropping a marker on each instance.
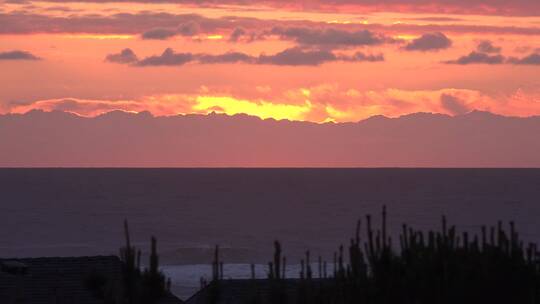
(302, 57)
(187, 29)
(190, 28)
(292, 57)
(359, 56)
(119, 23)
(126, 56)
(237, 34)
(478, 58)
(17, 1)
(307, 37)
(487, 46)
(137, 23)
(532, 59)
(167, 58)
(525, 49)
(18, 55)
(91, 108)
(328, 37)
(429, 42)
(484, 58)
(453, 105)
(231, 57)
(484, 7)
(436, 19)
(159, 34)
(171, 58)
(298, 56)
(64, 9)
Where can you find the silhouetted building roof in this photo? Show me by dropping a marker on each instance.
(169, 299)
(59, 280)
(263, 291)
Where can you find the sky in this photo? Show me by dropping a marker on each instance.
(316, 61)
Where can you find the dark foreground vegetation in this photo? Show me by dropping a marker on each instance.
(433, 267)
(142, 286)
(445, 266)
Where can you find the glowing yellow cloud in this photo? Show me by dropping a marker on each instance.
(207, 37)
(305, 92)
(262, 109)
(405, 37)
(339, 22)
(214, 37)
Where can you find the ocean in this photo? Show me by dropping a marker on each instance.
(67, 212)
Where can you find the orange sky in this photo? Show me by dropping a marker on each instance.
(312, 63)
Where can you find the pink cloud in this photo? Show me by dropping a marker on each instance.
(163, 25)
(501, 7)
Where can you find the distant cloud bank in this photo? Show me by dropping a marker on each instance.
(120, 139)
(18, 55)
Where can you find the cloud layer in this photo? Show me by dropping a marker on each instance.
(429, 42)
(484, 58)
(329, 37)
(18, 55)
(532, 59)
(161, 25)
(500, 7)
(126, 56)
(120, 139)
(488, 47)
(487, 53)
(478, 58)
(292, 57)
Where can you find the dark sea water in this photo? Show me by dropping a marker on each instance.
(64, 212)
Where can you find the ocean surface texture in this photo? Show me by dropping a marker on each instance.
(64, 212)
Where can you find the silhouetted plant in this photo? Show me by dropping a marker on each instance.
(154, 284)
(429, 267)
(142, 287)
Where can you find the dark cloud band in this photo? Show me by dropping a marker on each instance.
(192, 24)
(488, 7)
(429, 42)
(289, 57)
(483, 58)
(18, 55)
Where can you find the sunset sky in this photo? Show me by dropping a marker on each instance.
(317, 60)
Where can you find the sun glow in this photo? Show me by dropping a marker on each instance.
(262, 109)
(405, 37)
